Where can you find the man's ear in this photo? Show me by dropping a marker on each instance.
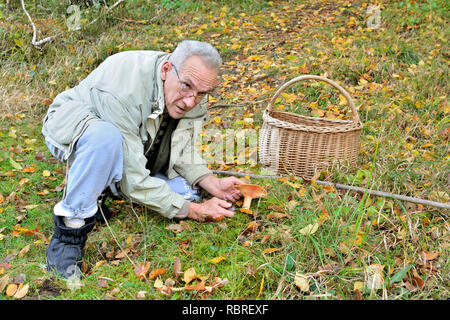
(165, 69)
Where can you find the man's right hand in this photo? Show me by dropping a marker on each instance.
(214, 208)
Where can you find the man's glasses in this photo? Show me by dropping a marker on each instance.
(187, 91)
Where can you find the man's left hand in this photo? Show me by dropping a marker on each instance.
(222, 188)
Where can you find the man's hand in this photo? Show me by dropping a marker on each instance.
(222, 188)
(213, 208)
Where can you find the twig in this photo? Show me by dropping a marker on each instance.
(346, 187)
(37, 44)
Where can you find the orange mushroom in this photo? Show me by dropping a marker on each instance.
(250, 191)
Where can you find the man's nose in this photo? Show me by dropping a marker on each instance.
(190, 101)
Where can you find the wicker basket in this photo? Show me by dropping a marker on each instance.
(303, 146)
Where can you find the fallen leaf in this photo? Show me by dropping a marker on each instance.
(21, 291)
(217, 259)
(430, 255)
(198, 287)
(154, 273)
(158, 283)
(102, 283)
(309, 229)
(122, 254)
(247, 211)
(175, 228)
(46, 173)
(177, 267)
(3, 282)
(189, 275)
(24, 250)
(29, 170)
(11, 289)
(276, 215)
(141, 269)
(301, 281)
(270, 250)
(417, 280)
(374, 279)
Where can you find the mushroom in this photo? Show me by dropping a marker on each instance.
(250, 191)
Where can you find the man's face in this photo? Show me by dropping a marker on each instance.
(193, 77)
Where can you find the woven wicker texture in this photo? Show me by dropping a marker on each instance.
(302, 146)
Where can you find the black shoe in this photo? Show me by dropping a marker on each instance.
(65, 251)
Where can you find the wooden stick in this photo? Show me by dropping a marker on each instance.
(346, 187)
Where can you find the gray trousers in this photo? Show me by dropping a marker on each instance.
(96, 163)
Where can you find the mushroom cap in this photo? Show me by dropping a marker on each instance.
(251, 190)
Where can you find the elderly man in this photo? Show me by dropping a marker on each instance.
(129, 128)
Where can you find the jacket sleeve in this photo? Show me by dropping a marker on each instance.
(136, 181)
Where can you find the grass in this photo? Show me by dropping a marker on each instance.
(396, 76)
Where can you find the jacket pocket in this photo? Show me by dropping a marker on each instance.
(67, 121)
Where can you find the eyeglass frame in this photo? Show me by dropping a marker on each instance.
(196, 94)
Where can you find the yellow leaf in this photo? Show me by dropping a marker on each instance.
(29, 169)
(21, 291)
(247, 211)
(18, 42)
(309, 229)
(189, 275)
(154, 273)
(270, 250)
(158, 283)
(358, 285)
(46, 173)
(261, 286)
(276, 215)
(217, 259)
(11, 289)
(301, 281)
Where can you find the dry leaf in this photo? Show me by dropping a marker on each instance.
(11, 289)
(29, 169)
(175, 228)
(24, 250)
(247, 211)
(309, 229)
(430, 255)
(417, 280)
(270, 250)
(154, 273)
(374, 277)
(177, 267)
(141, 270)
(276, 215)
(301, 281)
(3, 282)
(217, 260)
(122, 254)
(198, 287)
(189, 275)
(158, 283)
(21, 291)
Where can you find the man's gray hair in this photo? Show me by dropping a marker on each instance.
(188, 48)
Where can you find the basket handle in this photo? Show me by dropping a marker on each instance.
(355, 114)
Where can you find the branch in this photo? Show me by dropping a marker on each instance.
(37, 44)
(346, 187)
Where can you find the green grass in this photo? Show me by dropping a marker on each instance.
(396, 76)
